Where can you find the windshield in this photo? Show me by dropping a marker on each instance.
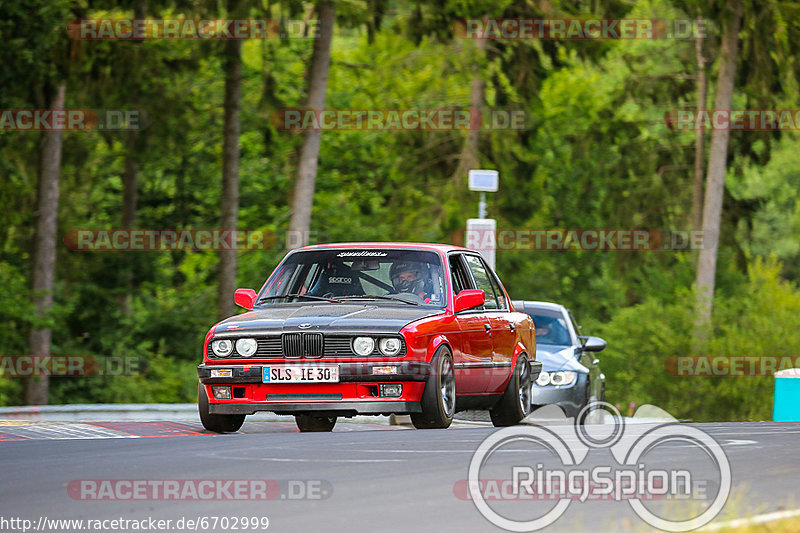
(551, 328)
(393, 277)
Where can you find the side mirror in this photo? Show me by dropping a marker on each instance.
(594, 344)
(245, 298)
(469, 299)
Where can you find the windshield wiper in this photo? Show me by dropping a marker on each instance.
(378, 297)
(308, 296)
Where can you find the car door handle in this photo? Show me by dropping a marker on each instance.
(487, 327)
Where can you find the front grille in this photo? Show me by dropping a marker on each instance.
(313, 345)
(339, 346)
(303, 345)
(308, 345)
(269, 347)
(292, 344)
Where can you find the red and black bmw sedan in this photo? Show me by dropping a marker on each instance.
(371, 329)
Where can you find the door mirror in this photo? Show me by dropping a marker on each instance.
(469, 299)
(245, 298)
(593, 344)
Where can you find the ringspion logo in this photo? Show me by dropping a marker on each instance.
(515, 468)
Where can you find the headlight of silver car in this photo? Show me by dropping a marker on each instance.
(558, 379)
(246, 347)
(544, 379)
(363, 345)
(389, 346)
(562, 378)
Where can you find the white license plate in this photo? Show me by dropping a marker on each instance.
(300, 374)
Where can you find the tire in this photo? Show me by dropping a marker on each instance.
(306, 423)
(216, 423)
(595, 415)
(515, 404)
(588, 398)
(439, 397)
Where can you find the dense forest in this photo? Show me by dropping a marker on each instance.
(596, 150)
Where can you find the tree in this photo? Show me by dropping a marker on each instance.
(44, 254)
(303, 198)
(229, 207)
(715, 183)
(699, 144)
(469, 157)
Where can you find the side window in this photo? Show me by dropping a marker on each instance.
(482, 281)
(575, 326)
(501, 298)
(459, 276)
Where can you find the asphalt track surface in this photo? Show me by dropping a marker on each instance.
(361, 477)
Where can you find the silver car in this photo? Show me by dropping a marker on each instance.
(571, 375)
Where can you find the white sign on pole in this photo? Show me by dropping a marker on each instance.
(481, 237)
(483, 180)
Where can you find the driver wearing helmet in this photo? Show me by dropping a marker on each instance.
(408, 277)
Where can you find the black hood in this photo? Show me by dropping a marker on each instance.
(326, 318)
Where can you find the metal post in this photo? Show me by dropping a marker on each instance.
(482, 206)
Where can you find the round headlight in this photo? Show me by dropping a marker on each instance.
(389, 346)
(562, 378)
(363, 345)
(543, 379)
(222, 348)
(246, 347)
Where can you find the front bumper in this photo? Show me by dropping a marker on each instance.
(357, 391)
(570, 398)
(320, 408)
(536, 369)
(352, 372)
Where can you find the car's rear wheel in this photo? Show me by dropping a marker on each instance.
(515, 404)
(314, 423)
(214, 422)
(439, 397)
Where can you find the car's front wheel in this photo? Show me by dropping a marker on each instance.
(214, 422)
(515, 404)
(314, 423)
(439, 398)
